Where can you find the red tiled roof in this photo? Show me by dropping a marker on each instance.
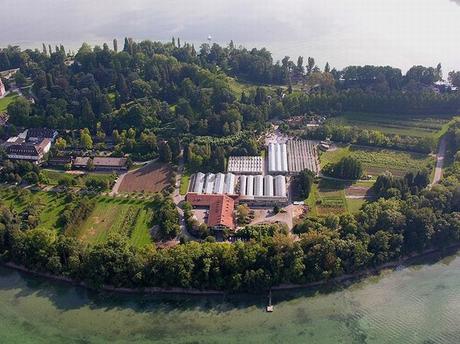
(220, 208)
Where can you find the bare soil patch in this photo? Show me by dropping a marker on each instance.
(153, 177)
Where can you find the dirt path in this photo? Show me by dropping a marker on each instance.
(117, 184)
(440, 161)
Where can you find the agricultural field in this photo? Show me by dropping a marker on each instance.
(5, 101)
(153, 177)
(376, 160)
(116, 215)
(332, 197)
(392, 124)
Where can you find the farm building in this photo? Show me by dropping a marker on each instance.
(220, 209)
(263, 191)
(246, 164)
(29, 151)
(302, 155)
(101, 163)
(277, 158)
(214, 183)
(110, 164)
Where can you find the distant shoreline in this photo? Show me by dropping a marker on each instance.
(203, 292)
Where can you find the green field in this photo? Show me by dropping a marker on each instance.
(131, 217)
(328, 197)
(184, 183)
(124, 216)
(4, 102)
(376, 160)
(392, 124)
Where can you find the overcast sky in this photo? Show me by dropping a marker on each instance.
(396, 32)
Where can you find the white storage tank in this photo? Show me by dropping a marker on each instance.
(219, 183)
(280, 186)
(199, 183)
(268, 186)
(243, 180)
(209, 185)
(259, 186)
(250, 186)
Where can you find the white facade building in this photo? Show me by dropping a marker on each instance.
(277, 158)
(246, 165)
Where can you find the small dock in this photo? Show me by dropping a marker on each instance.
(269, 308)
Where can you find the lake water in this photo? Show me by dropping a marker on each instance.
(418, 304)
(344, 32)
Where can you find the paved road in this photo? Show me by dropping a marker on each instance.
(440, 157)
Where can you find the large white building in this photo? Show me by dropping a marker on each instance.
(263, 190)
(277, 158)
(214, 184)
(302, 155)
(246, 165)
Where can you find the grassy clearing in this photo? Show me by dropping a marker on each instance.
(376, 161)
(392, 124)
(123, 216)
(5, 101)
(328, 197)
(184, 183)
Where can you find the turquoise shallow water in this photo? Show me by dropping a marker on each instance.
(417, 304)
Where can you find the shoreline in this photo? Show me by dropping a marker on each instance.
(209, 292)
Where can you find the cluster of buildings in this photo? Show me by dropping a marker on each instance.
(220, 192)
(292, 157)
(33, 144)
(30, 145)
(251, 180)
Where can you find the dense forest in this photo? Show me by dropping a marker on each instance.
(139, 95)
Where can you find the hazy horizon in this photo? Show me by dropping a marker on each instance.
(342, 32)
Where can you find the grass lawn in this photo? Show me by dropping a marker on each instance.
(123, 216)
(354, 205)
(329, 197)
(393, 124)
(5, 101)
(377, 160)
(184, 183)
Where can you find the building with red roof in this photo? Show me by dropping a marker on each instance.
(220, 209)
